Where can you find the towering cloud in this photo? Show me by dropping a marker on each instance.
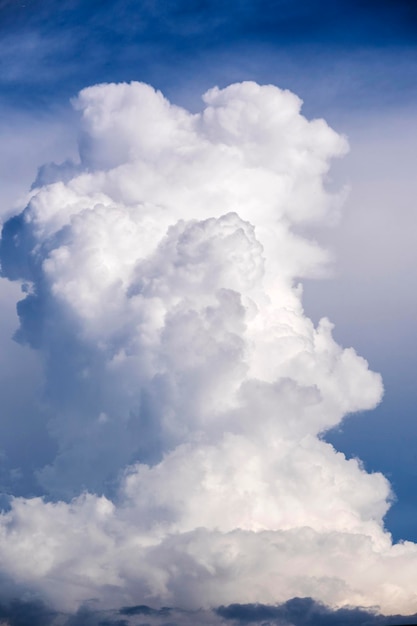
(185, 388)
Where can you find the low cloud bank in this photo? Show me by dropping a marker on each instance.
(294, 612)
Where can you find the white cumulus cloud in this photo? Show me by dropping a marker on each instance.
(185, 387)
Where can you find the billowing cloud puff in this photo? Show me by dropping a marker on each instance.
(185, 388)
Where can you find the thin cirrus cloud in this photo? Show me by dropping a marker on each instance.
(185, 389)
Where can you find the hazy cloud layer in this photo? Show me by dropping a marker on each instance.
(186, 390)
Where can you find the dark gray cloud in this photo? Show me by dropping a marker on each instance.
(20, 613)
(295, 612)
(307, 612)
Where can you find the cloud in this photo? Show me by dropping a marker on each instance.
(185, 388)
(294, 612)
(21, 613)
(303, 611)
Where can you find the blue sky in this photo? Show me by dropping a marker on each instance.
(346, 51)
(353, 63)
